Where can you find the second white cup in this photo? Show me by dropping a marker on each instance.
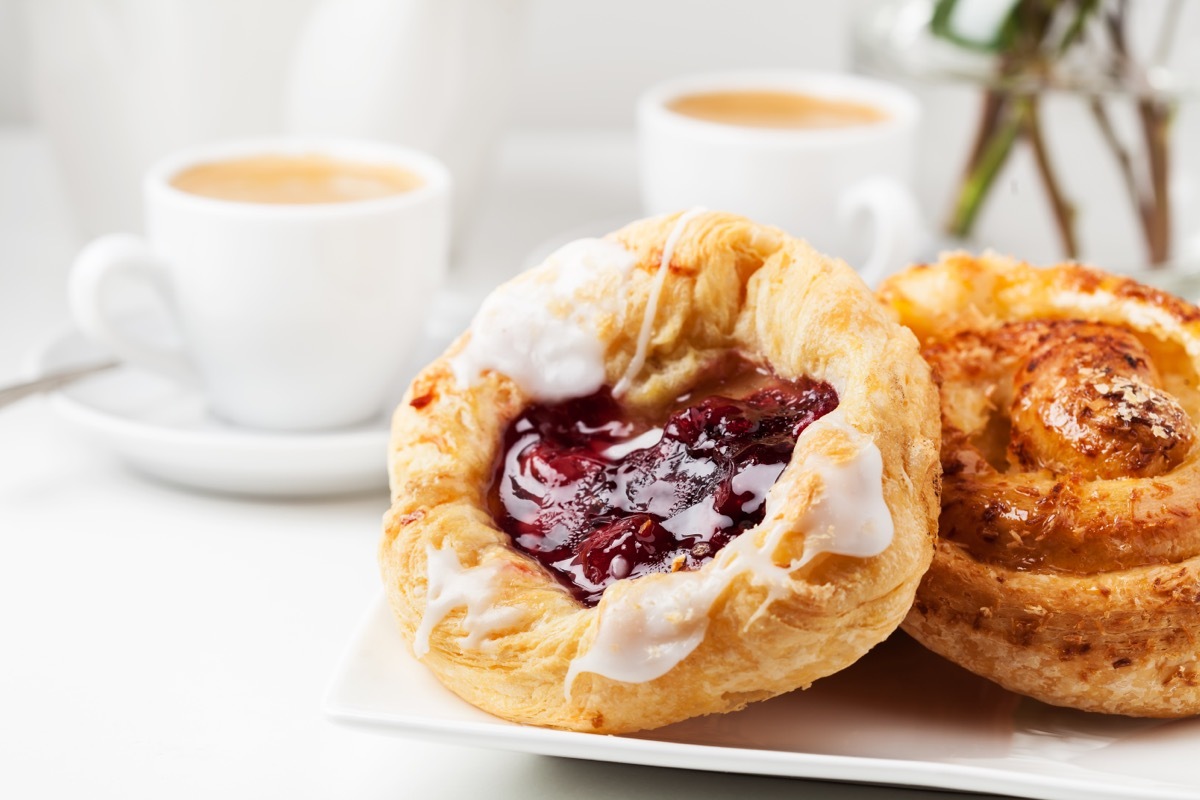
(844, 189)
(294, 316)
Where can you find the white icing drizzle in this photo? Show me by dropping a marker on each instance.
(757, 480)
(660, 277)
(700, 516)
(452, 586)
(640, 442)
(642, 635)
(850, 517)
(523, 331)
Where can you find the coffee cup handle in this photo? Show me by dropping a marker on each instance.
(96, 271)
(895, 216)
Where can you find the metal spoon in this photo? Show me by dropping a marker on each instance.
(50, 383)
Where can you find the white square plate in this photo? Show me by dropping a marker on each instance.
(900, 716)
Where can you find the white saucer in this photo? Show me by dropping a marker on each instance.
(164, 431)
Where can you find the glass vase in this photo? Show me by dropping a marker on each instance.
(1055, 129)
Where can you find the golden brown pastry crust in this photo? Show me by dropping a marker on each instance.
(732, 286)
(1068, 562)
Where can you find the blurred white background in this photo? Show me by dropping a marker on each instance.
(584, 62)
(115, 84)
(14, 90)
(88, 100)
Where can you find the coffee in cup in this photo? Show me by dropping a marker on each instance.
(301, 178)
(775, 108)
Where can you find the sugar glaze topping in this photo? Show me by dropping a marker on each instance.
(850, 517)
(534, 331)
(451, 586)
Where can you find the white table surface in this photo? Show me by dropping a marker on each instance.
(159, 643)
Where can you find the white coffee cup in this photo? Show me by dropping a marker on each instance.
(820, 184)
(292, 316)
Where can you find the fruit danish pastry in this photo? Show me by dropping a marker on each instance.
(1068, 561)
(669, 472)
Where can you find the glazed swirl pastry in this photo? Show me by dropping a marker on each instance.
(1068, 562)
(668, 473)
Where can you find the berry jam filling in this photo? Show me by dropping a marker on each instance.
(596, 496)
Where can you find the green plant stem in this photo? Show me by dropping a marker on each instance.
(1124, 159)
(1156, 117)
(1154, 203)
(989, 116)
(1084, 10)
(1064, 212)
(991, 151)
(1008, 116)
(1159, 141)
(1153, 206)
